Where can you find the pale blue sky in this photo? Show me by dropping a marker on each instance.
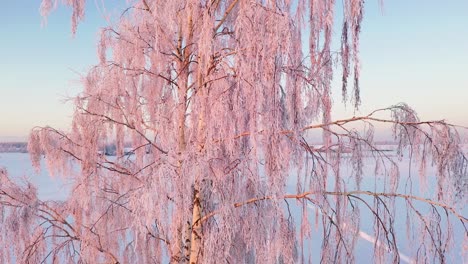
(40, 65)
(412, 51)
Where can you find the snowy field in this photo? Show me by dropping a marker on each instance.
(19, 167)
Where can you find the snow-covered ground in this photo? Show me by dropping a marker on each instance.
(19, 167)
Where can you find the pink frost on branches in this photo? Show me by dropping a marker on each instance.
(77, 6)
(216, 101)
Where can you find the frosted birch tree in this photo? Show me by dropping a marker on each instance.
(211, 105)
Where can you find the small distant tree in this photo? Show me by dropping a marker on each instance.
(219, 101)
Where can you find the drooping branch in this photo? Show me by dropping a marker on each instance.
(226, 14)
(369, 117)
(306, 195)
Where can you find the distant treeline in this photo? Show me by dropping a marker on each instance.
(21, 147)
(108, 149)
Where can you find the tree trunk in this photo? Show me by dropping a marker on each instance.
(195, 239)
(187, 243)
(196, 236)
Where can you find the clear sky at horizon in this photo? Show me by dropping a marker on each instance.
(411, 51)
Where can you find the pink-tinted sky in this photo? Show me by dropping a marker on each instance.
(412, 51)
